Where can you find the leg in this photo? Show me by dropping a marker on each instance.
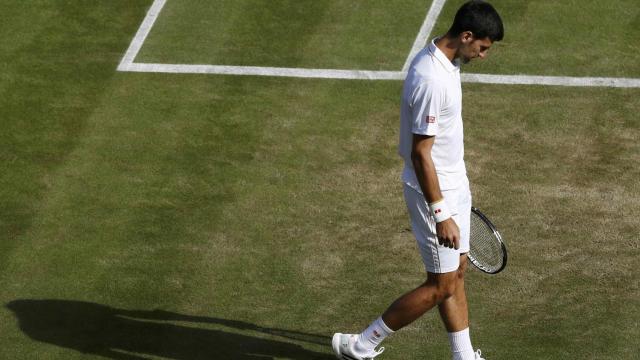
(455, 317)
(454, 310)
(441, 264)
(402, 312)
(437, 289)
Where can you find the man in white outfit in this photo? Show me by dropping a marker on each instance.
(436, 187)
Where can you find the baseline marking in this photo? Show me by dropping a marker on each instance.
(551, 80)
(127, 63)
(267, 71)
(380, 75)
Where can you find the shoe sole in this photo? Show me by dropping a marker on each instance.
(335, 343)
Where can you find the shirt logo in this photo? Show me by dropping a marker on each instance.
(431, 119)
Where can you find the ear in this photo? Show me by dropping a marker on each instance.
(466, 37)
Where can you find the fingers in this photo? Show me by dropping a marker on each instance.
(448, 234)
(447, 243)
(451, 241)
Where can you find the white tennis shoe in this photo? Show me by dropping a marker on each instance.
(344, 347)
(479, 355)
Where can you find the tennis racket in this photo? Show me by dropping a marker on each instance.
(488, 252)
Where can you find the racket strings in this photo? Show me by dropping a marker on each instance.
(487, 252)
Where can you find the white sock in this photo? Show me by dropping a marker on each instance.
(461, 348)
(372, 336)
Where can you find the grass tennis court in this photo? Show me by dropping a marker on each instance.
(160, 216)
(310, 34)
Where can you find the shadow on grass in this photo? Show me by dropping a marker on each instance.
(131, 334)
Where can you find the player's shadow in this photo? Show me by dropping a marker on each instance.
(131, 334)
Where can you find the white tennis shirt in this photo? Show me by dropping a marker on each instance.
(432, 105)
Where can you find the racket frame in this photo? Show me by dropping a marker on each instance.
(498, 237)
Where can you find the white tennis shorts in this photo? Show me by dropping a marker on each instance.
(439, 259)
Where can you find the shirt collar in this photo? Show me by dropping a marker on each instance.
(444, 60)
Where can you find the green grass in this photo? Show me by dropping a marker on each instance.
(198, 216)
(309, 34)
(562, 38)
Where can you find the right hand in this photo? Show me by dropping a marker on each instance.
(448, 233)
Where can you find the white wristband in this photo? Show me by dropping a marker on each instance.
(439, 210)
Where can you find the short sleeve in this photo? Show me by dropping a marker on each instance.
(426, 105)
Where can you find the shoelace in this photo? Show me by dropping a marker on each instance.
(479, 355)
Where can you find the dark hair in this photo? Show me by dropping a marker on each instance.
(480, 18)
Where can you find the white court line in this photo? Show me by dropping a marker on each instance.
(425, 31)
(127, 63)
(141, 35)
(551, 80)
(379, 75)
(267, 71)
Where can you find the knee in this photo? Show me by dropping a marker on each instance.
(448, 288)
(445, 285)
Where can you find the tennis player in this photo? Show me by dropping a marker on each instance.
(436, 188)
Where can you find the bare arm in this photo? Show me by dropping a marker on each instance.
(447, 231)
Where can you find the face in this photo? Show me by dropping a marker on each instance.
(471, 47)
